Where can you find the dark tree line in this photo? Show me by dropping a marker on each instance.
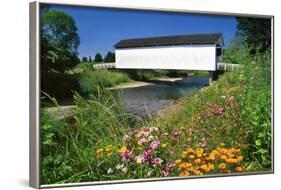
(109, 58)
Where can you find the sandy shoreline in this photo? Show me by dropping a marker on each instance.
(136, 84)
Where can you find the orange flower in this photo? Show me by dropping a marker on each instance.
(231, 160)
(222, 166)
(211, 166)
(197, 161)
(223, 157)
(239, 158)
(184, 173)
(185, 165)
(197, 172)
(183, 154)
(239, 169)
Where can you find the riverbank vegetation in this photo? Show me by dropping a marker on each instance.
(224, 128)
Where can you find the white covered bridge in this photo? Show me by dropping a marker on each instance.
(181, 52)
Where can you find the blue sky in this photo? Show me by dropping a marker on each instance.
(99, 29)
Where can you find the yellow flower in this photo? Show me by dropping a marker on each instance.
(239, 158)
(99, 150)
(184, 173)
(123, 149)
(223, 157)
(178, 161)
(211, 166)
(109, 154)
(239, 169)
(212, 157)
(191, 156)
(197, 161)
(190, 150)
(183, 154)
(222, 144)
(205, 167)
(222, 166)
(108, 146)
(164, 145)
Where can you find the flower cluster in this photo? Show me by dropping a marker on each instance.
(219, 160)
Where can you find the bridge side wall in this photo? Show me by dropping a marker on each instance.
(185, 57)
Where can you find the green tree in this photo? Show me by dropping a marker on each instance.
(256, 32)
(110, 57)
(98, 58)
(84, 59)
(59, 41)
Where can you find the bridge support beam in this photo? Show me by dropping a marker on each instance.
(213, 75)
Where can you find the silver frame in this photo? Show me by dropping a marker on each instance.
(34, 92)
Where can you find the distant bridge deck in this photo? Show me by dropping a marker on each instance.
(221, 66)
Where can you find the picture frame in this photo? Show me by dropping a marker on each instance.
(35, 86)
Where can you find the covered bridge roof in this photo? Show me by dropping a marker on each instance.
(210, 38)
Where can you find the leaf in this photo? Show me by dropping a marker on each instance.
(258, 142)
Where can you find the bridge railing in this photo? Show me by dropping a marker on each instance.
(228, 66)
(104, 66)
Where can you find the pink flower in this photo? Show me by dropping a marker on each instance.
(146, 134)
(156, 161)
(152, 129)
(141, 141)
(165, 173)
(154, 144)
(126, 154)
(146, 155)
(176, 133)
(139, 159)
(218, 110)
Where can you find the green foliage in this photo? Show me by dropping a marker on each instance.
(103, 78)
(84, 59)
(98, 58)
(110, 57)
(256, 32)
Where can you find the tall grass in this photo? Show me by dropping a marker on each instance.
(104, 78)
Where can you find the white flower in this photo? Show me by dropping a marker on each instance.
(150, 138)
(119, 166)
(223, 97)
(124, 170)
(139, 159)
(109, 171)
(153, 129)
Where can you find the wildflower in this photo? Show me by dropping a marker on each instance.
(176, 133)
(197, 172)
(146, 155)
(185, 165)
(156, 161)
(154, 144)
(126, 138)
(222, 166)
(164, 145)
(150, 138)
(191, 156)
(183, 154)
(139, 159)
(165, 173)
(223, 157)
(141, 141)
(222, 144)
(123, 149)
(124, 170)
(239, 158)
(119, 166)
(184, 173)
(152, 129)
(189, 150)
(238, 169)
(109, 171)
(178, 161)
(100, 150)
(197, 161)
(146, 134)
